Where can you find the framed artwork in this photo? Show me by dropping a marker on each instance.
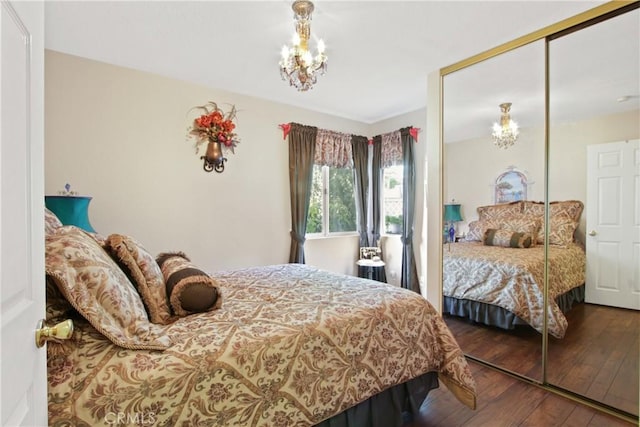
(511, 186)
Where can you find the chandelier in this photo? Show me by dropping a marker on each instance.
(505, 133)
(298, 65)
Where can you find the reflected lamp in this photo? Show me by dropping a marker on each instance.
(451, 216)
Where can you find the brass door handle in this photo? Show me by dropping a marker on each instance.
(61, 331)
(592, 233)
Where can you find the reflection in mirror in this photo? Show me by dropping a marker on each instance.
(594, 113)
(493, 295)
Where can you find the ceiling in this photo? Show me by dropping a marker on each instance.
(380, 52)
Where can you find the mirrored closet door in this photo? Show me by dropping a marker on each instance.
(574, 90)
(473, 165)
(594, 156)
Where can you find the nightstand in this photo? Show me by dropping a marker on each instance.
(372, 269)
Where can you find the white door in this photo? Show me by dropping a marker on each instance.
(613, 224)
(23, 397)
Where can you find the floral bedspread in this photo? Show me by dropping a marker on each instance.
(291, 345)
(514, 278)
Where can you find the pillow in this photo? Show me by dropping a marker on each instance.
(476, 231)
(507, 239)
(94, 285)
(572, 208)
(514, 223)
(561, 231)
(51, 222)
(190, 290)
(499, 211)
(145, 274)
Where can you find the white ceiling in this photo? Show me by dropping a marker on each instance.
(380, 52)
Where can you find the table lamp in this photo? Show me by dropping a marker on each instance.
(71, 210)
(451, 216)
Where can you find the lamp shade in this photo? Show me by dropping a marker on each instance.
(71, 210)
(452, 213)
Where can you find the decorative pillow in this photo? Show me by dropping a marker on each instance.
(96, 287)
(145, 274)
(515, 223)
(190, 290)
(572, 208)
(499, 211)
(51, 222)
(476, 231)
(507, 239)
(561, 230)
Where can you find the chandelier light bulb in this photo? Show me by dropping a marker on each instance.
(321, 46)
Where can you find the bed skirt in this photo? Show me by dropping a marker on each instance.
(392, 407)
(493, 315)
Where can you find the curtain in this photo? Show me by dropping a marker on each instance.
(360, 150)
(391, 149)
(302, 140)
(409, 279)
(376, 209)
(376, 183)
(333, 149)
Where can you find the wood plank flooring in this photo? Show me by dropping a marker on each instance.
(505, 401)
(598, 358)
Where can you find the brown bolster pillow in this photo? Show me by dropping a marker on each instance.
(189, 289)
(506, 238)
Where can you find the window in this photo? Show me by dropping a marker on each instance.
(332, 206)
(392, 198)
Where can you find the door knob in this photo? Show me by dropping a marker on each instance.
(592, 233)
(61, 331)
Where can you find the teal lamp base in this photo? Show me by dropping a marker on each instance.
(71, 210)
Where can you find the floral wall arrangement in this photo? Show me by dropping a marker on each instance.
(217, 129)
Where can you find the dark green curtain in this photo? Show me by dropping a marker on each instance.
(376, 184)
(302, 147)
(409, 279)
(360, 150)
(376, 209)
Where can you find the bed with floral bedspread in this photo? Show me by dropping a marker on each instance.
(495, 275)
(513, 279)
(289, 345)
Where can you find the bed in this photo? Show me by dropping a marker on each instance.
(281, 345)
(496, 276)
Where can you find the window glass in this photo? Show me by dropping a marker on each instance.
(392, 199)
(332, 207)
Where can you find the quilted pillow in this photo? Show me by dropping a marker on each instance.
(507, 239)
(499, 211)
(51, 222)
(145, 274)
(190, 290)
(96, 287)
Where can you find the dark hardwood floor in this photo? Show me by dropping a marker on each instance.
(598, 357)
(506, 401)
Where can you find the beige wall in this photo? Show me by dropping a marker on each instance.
(472, 166)
(119, 135)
